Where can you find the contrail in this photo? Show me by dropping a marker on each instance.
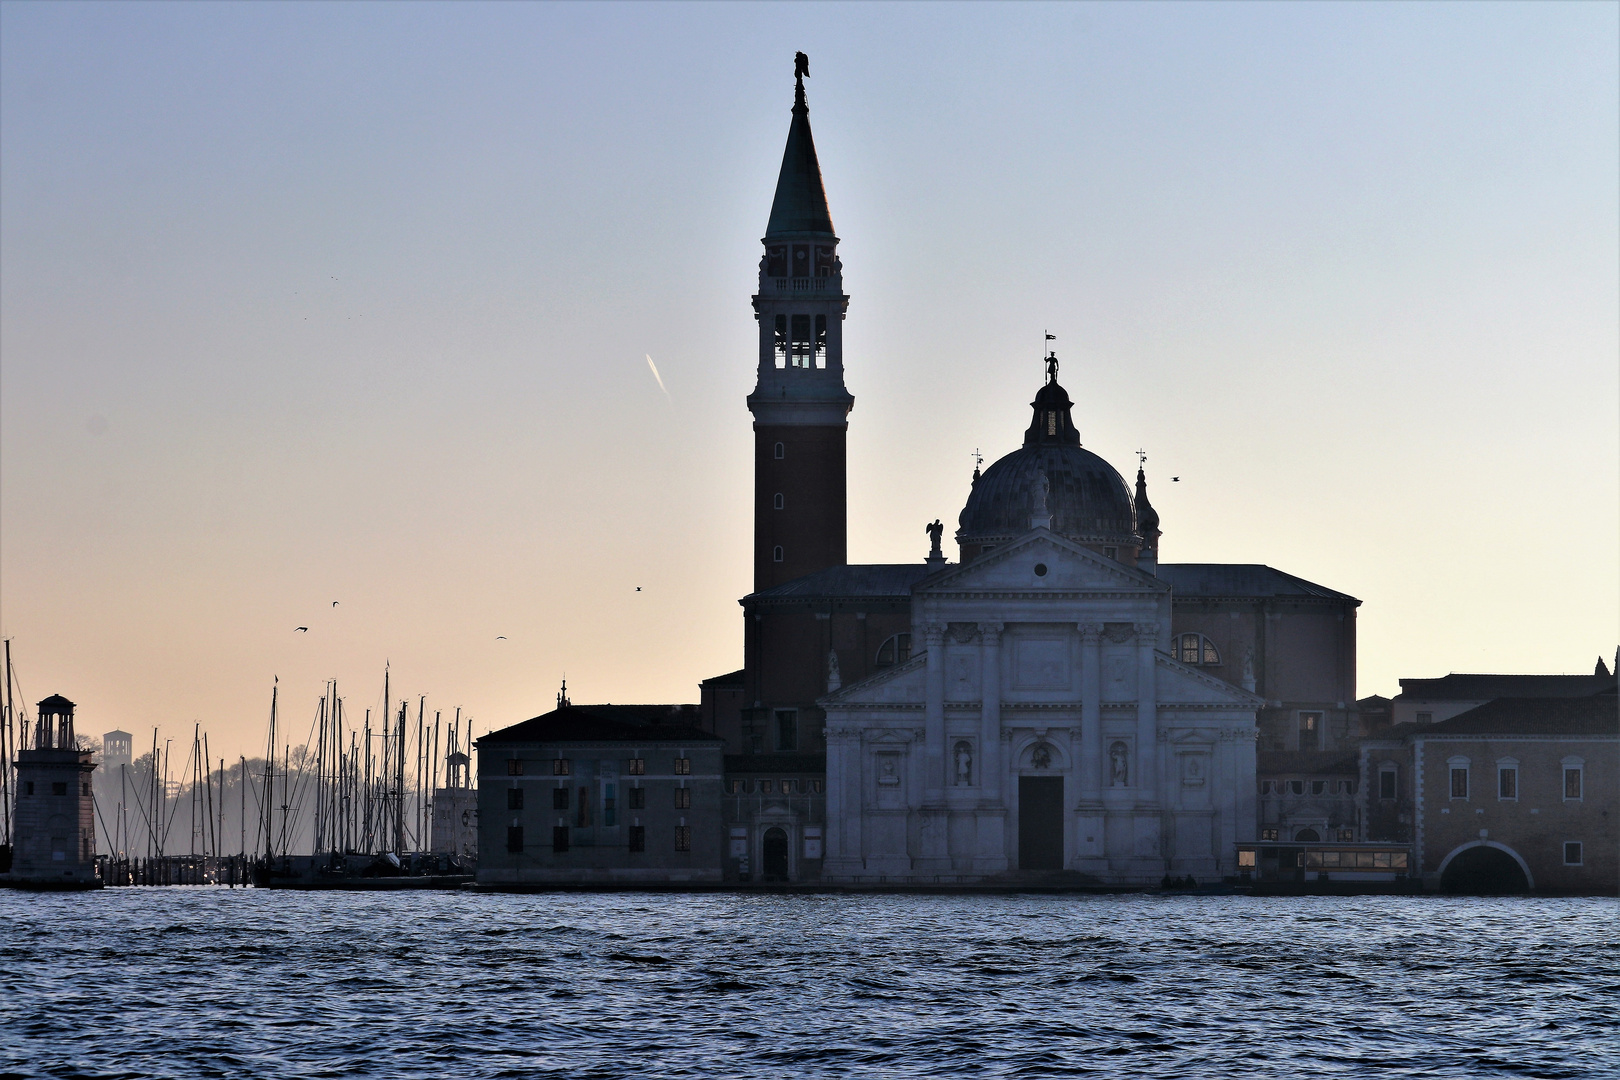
(659, 377)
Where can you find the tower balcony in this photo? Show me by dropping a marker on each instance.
(796, 285)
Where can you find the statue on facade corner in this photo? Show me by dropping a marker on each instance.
(935, 531)
(834, 680)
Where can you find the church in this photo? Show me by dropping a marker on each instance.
(1056, 705)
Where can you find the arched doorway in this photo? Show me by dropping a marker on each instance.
(775, 855)
(1483, 870)
(1307, 836)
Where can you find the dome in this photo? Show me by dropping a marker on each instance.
(1084, 496)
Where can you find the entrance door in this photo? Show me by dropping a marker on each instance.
(1040, 823)
(775, 855)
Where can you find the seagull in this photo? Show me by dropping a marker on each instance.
(638, 588)
(300, 629)
(1175, 479)
(334, 603)
(500, 637)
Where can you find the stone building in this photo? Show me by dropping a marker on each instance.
(600, 793)
(54, 830)
(1517, 793)
(455, 811)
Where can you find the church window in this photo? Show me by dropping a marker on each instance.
(1198, 649)
(1268, 834)
(787, 729)
(638, 766)
(1296, 787)
(1310, 731)
(1051, 423)
(559, 838)
(638, 798)
(1308, 836)
(514, 838)
(1040, 569)
(683, 838)
(787, 787)
(1347, 836)
(1386, 784)
(559, 798)
(1572, 853)
(638, 838)
(514, 798)
(514, 767)
(781, 451)
(896, 649)
(1318, 787)
(777, 501)
(683, 798)
(683, 766)
(560, 766)
(776, 553)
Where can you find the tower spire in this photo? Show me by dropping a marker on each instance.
(800, 206)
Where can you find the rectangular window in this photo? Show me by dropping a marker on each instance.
(734, 787)
(1507, 783)
(638, 766)
(801, 347)
(30, 787)
(638, 838)
(559, 838)
(559, 798)
(1268, 834)
(514, 798)
(1572, 783)
(1425, 717)
(1459, 783)
(582, 809)
(683, 798)
(1347, 836)
(1572, 853)
(787, 787)
(59, 789)
(1310, 731)
(683, 766)
(514, 838)
(683, 838)
(514, 767)
(815, 787)
(638, 798)
(610, 805)
(766, 787)
(1386, 784)
(560, 766)
(787, 729)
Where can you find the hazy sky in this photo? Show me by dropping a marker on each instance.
(304, 303)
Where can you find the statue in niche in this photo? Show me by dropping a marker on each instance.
(1041, 756)
(964, 762)
(834, 680)
(1118, 765)
(886, 770)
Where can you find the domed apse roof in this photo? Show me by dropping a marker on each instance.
(1084, 496)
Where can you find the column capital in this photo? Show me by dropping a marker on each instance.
(934, 634)
(1090, 632)
(1147, 629)
(991, 631)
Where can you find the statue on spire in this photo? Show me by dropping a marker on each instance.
(1051, 367)
(801, 66)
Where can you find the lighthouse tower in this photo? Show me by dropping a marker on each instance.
(800, 406)
(55, 830)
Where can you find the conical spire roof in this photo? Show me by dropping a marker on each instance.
(801, 202)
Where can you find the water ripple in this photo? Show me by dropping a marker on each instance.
(206, 982)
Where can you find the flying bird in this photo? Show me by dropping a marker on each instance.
(1175, 479)
(638, 588)
(334, 603)
(300, 629)
(500, 637)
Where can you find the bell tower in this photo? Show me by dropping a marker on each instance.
(800, 405)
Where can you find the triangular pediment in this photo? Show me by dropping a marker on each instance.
(1181, 684)
(897, 685)
(1041, 561)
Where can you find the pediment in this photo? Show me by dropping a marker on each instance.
(900, 684)
(1181, 684)
(1041, 561)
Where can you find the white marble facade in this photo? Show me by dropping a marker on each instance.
(1042, 687)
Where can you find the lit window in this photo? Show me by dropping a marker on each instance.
(1310, 731)
(514, 767)
(787, 729)
(896, 649)
(683, 838)
(1459, 783)
(638, 766)
(781, 451)
(766, 787)
(1572, 853)
(559, 838)
(683, 766)
(787, 787)
(560, 766)
(559, 798)
(1347, 836)
(514, 798)
(514, 838)
(1198, 649)
(638, 798)
(1507, 782)
(1268, 834)
(1386, 784)
(777, 501)
(776, 553)
(683, 798)
(638, 838)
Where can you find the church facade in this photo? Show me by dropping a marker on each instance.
(1054, 705)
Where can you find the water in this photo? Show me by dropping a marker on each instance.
(209, 982)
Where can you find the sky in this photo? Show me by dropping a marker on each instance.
(304, 303)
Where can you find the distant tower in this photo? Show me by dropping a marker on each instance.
(800, 405)
(55, 833)
(117, 748)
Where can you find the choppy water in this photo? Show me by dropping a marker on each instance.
(206, 982)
